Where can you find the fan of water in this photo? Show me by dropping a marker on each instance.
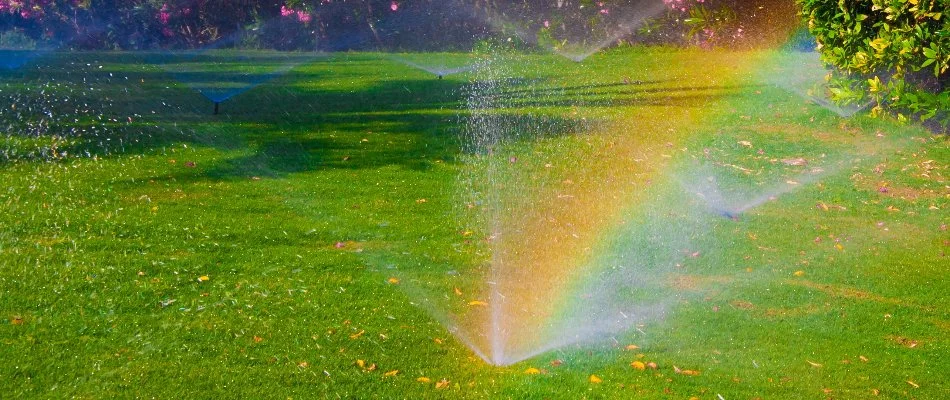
(573, 30)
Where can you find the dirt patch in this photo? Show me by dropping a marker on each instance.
(794, 312)
(698, 282)
(839, 291)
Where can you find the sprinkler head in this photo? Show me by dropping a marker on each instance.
(216, 107)
(440, 76)
(730, 215)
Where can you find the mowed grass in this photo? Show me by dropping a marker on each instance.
(249, 254)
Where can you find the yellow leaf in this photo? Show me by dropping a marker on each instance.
(458, 292)
(361, 363)
(393, 280)
(799, 273)
(203, 278)
(392, 373)
(913, 384)
(638, 365)
(813, 364)
(839, 246)
(478, 303)
(595, 379)
(423, 379)
(357, 335)
(632, 347)
(444, 383)
(532, 371)
(745, 143)
(690, 372)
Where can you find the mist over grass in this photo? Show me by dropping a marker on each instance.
(316, 236)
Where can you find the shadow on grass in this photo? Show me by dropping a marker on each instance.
(352, 112)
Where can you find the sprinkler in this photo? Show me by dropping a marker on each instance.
(440, 76)
(730, 215)
(216, 107)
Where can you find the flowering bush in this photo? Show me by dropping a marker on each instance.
(731, 23)
(894, 53)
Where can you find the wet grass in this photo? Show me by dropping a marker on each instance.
(179, 254)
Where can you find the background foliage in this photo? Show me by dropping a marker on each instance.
(894, 54)
(384, 24)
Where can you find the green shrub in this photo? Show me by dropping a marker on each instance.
(892, 53)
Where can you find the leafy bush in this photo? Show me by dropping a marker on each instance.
(894, 54)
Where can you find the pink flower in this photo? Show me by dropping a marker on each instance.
(547, 24)
(394, 6)
(304, 16)
(286, 12)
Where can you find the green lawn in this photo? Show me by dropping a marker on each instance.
(295, 245)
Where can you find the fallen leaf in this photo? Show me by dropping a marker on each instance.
(556, 363)
(595, 379)
(437, 340)
(912, 383)
(799, 273)
(632, 347)
(795, 161)
(357, 335)
(420, 201)
(190, 164)
(258, 339)
(303, 364)
(813, 364)
(651, 365)
(839, 246)
(532, 371)
(393, 280)
(458, 292)
(863, 358)
(478, 303)
(16, 320)
(392, 373)
(745, 143)
(690, 372)
(423, 379)
(791, 182)
(444, 383)
(361, 363)
(638, 365)
(203, 278)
